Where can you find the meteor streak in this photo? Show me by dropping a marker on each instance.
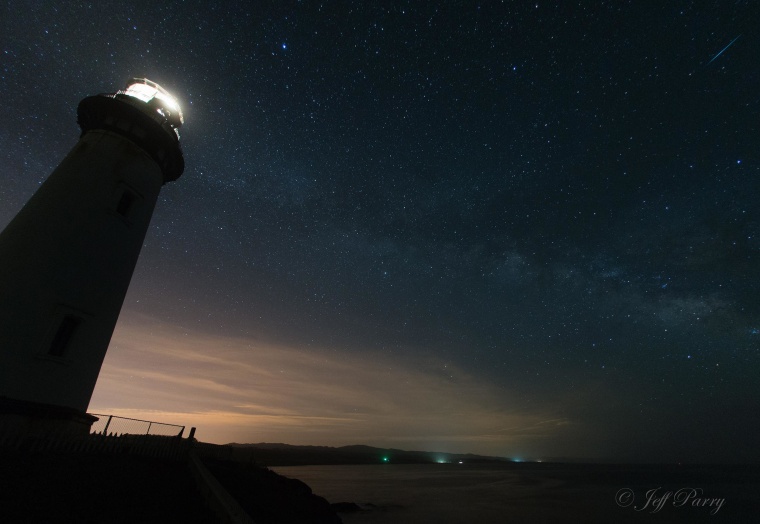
(721, 51)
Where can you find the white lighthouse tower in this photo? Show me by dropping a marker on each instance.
(67, 258)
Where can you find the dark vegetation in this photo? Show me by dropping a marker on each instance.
(115, 488)
(98, 488)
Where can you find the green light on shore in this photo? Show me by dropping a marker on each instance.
(385, 459)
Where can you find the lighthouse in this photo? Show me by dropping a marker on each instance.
(67, 258)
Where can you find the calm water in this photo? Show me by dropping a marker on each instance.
(452, 493)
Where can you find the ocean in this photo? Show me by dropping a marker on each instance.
(535, 492)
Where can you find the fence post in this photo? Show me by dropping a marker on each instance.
(149, 425)
(192, 434)
(105, 429)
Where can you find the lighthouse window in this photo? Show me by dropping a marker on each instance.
(63, 335)
(125, 203)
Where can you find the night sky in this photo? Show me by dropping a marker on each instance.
(525, 229)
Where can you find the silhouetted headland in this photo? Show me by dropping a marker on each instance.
(276, 454)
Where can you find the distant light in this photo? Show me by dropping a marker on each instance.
(284, 45)
(738, 161)
(385, 459)
(461, 462)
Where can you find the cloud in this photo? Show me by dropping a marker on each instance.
(245, 390)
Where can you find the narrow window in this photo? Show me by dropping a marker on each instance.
(126, 201)
(63, 335)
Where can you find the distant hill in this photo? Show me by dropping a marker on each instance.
(276, 454)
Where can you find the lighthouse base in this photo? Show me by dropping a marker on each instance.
(22, 421)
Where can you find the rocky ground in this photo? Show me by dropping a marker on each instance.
(271, 498)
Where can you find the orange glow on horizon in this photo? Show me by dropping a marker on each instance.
(241, 390)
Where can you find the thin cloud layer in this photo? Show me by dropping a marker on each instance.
(243, 390)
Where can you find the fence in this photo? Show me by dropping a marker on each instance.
(113, 425)
(113, 434)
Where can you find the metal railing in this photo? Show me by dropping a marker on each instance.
(113, 425)
(114, 434)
